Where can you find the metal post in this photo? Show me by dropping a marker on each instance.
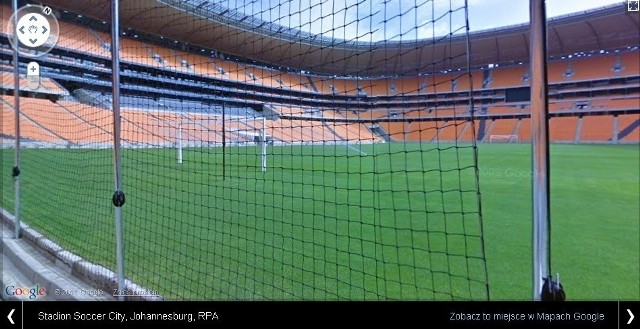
(475, 147)
(16, 100)
(179, 144)
(264, 144)
(224, 144)
(118, 196)
(540, 145)
(614, 133)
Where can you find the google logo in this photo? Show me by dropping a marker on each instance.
(33, 293)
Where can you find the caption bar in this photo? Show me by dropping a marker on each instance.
(96, 315)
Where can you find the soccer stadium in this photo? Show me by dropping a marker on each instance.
(318, 150)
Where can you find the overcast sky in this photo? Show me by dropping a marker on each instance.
(374, 20)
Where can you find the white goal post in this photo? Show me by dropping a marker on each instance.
(256, 132)
(503, 139)
(211, 131)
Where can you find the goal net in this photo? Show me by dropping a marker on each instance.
(271, 150)
(200, 131)
(503, 139)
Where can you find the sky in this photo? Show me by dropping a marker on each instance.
(375, 20)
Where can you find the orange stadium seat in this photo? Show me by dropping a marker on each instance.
(78, 38)
(503, 127)
(410, 86)
(419, 113)
(51, 86)
(505, 109)
(231, 70)
(631, 64)
(560, 106)
(350, 114)
(197, 64)
(370, 114)
(439, 83)
(233, 135)
(93, 116)
(379, 113)
(200, 128)
(323, 134)
(344, 86)
(193, 130)
(138, 126)
(359, 132)
(213, 129)
(290, 110)
(262, 76)
(463, 81)
(335, 86)
(293, 81)
(284, 80)
(278, 133)
(375, 87)
(592, 68)
(617, 104)
(396, 130)
(340, 129)
(597, 128)
(422, 130)
(352, 131)
(448, 131)
(291, 131)
(62, 122)
(323, 85)
(315, 131)
(168, 58)
(509, 77)
(57, 121)
(28, 128)
(135, 51)
(468, 132)
(562, 129)
(8, 81)
(629, 121)
(557, 70)
(447, 112)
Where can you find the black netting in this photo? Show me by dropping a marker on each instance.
(270, 149)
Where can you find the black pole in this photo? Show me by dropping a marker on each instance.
(544, 287)
(16, 98)
(118, 196)
(224, 144)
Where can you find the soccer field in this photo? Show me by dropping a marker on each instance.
(326, 222)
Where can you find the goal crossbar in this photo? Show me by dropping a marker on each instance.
(503, 139)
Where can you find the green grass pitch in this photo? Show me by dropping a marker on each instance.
(325, 222)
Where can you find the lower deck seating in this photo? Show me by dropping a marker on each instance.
(629, 128)
(28, 129)
(503, 127)
(597, 129)
(563, 129)
(69, 122)
(55, 120)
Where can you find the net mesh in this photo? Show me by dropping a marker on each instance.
(360, 110)
(65, 160)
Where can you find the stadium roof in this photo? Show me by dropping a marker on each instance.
(610, 27)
